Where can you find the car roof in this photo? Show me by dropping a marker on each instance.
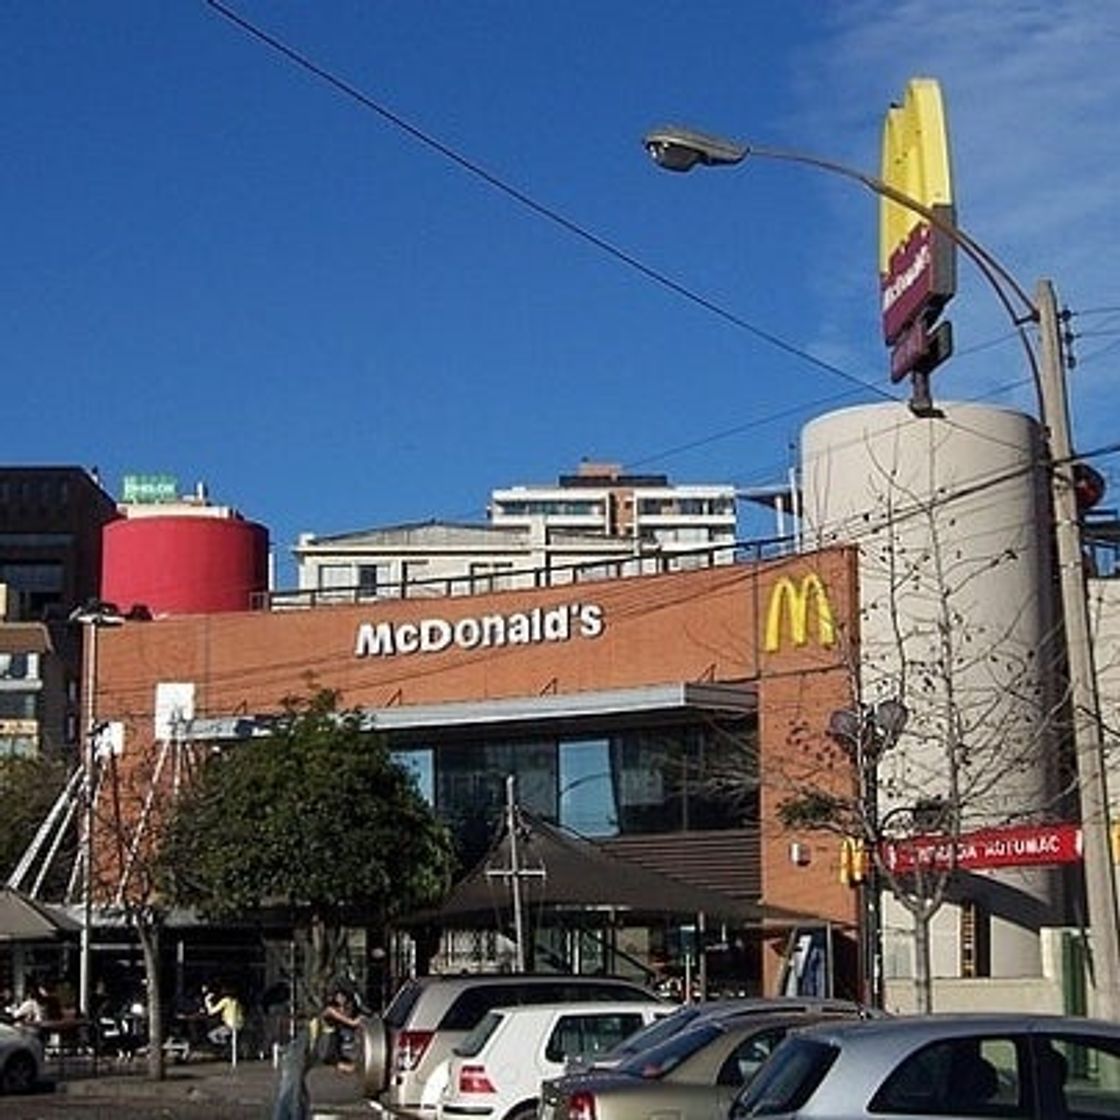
(870, 1049)
(465, 980)
(910, 1030)
(604, 1006)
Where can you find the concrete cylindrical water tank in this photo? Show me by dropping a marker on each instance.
(185, 565)
(952, 517)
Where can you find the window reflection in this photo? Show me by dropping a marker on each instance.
(587, 802)
(690, 777)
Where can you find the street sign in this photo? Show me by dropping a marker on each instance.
(919, 350)
(1029, 845)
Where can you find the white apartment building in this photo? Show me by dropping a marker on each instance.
(598, 523)
(647, 508)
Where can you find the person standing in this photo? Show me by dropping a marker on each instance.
(338, 1023)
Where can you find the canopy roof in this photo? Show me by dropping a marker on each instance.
(562, 872)
(24, 919)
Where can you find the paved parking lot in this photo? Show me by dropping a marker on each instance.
(196, 1091)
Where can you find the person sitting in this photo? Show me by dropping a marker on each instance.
(32, 1010)
(232, 1017)
(973, 1081)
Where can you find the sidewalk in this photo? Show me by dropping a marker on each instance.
(249, 1083)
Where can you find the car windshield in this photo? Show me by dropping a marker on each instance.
(478, 1034)
(656, 1033)
(787, 1081)
(657, 1061)
(403, 1002)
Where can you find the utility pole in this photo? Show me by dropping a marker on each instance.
(1088, 728)
(515, 872)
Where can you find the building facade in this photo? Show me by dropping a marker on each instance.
(583, 527)
(664, 716)
(51, 521)
(951, 518)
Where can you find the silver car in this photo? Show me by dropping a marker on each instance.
(690, 1014)
(1025, 1067)
(694, 1075)
(21, 1059)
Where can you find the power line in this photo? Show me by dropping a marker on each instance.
(548, 213)
(572, 227)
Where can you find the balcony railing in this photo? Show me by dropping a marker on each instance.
(554, 575)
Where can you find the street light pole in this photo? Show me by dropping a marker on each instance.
(91, 617)
(677, 149)
(1088, 727)
(866, 734)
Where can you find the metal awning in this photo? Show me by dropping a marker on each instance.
(679, 698)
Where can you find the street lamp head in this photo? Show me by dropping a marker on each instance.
(890, 718)
(97, 612)
(846, 727)
(681, 149)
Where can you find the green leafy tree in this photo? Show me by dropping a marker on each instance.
(28, 789)
(316, 817)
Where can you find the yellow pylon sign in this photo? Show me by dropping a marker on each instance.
(854, 859)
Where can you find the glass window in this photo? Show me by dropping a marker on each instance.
(32, 577)
(369, 580)
(419, 762)
(470, 786)
(336, 580)
(746, 1059)
(18, 666)
(478, 1035)
(18, 746)
(577, 1036)
(17, 705)
(786, 1084)
(657, 1061)
(588, 803)
(959, 1077)
(1079, 1076)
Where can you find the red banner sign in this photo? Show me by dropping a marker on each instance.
(1019, 846)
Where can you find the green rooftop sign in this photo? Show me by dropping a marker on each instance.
(150, 488)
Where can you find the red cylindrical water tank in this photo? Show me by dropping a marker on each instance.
(184, 565)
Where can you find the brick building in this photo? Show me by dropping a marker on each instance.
(612, 702)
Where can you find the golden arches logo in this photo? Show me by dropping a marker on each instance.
(915, 161)
(794, 600)
(855, 861)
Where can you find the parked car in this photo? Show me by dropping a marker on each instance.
(406, 1051)
(21, 1059)
(497, 1070)
(688, 1014)
(693, 1075)
(1030, 1067)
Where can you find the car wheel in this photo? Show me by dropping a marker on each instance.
(374, 1064)
(526, 1111)
(19, 1074)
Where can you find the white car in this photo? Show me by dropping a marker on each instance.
(21, 1059)
(405, 1053)
(496, 1072)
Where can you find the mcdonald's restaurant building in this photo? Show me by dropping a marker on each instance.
(664, 717)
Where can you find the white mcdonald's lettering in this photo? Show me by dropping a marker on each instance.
(795, 599)
(434, 635)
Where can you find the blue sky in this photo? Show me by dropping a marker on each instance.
(218, 266)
